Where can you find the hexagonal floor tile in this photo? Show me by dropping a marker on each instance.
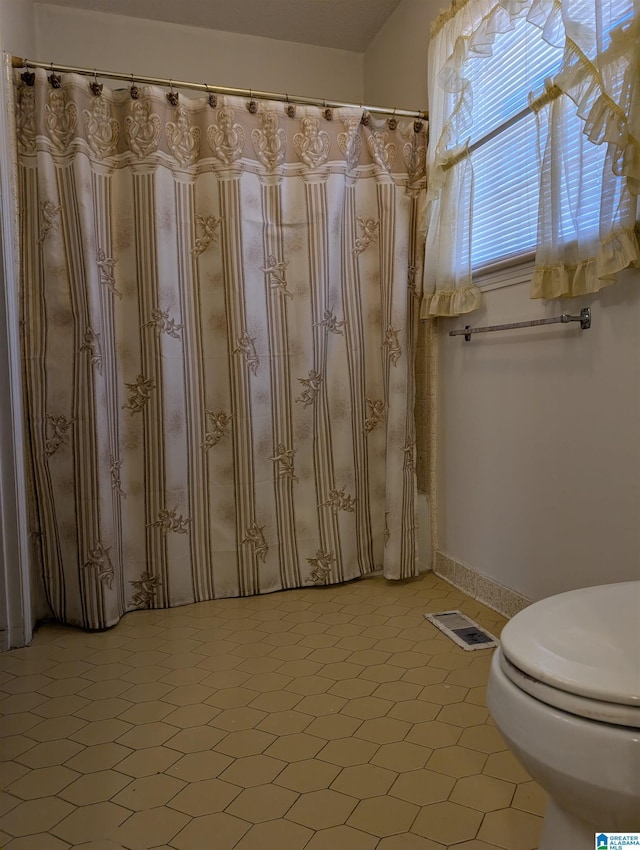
(332, 726)
(511, 829)
(422, 787)
(196, 766)
(382, 673)
(231, 698)
(321, 809)
(272, 835)
(196, 739)
(320, 704)
(457, 761)
(297, 747)
(150, 828)
(149, 792)
(276, 701)
(505, 766)
(248, 742)
(414, 710)
(262, 802)
(34, 816)
(367, 708)
(309, 775)
(398, 692)
(54, 729)
(91, 823)
(252, 770)
(204, 798)
(485, 739)
(401, 756)
(342, 838)
(483, 793)
(353, 688)
(364, 780)
(50, 753)
(447, 823)
(95, 787)
(188, 716)
(233, 720)
(383, 816)
(285, 722)
(434, 734)
(347, 751)
(198, 833)
(101, 732)
(443, 694)
(148, 735)
(148, 761)
(383, 730)
(463, 714)
(43, 782)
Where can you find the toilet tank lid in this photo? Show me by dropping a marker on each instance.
(585, 642)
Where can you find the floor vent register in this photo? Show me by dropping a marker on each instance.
(462, 630)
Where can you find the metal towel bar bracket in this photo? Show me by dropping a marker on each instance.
(584, 318)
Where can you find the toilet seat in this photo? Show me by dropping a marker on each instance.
(580, 652)
(590, 709)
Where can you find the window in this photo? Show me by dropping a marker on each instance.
(530, 110)
(505, 151)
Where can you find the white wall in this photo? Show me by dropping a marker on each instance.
(395, 63)
(539, 456)
(118, 43)
(17, 27)
(16, 36)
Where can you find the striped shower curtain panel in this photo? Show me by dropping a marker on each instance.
(218, 319)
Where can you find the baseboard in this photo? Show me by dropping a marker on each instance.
(495, 596)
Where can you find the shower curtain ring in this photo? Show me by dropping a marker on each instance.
(134, 91)
(290, 108)
(172, 96)
(392, 122)
(213, 100)
(28, 77)
(95, 86)
(327, 111)
(252, 106)
(55, 79)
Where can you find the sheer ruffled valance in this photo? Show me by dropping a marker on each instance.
(593, 100)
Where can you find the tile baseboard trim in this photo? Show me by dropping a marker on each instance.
(495, 596)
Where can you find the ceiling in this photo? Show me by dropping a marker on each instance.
(344, 24)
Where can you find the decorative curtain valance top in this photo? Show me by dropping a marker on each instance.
(131, 124)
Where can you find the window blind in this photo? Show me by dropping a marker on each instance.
(506, 168)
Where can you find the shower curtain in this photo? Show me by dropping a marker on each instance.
(218, 319)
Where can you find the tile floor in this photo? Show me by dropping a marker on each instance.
(323, 718)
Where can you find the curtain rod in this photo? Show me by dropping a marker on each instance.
(18, 62)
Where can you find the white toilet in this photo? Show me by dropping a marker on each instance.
(564, 691)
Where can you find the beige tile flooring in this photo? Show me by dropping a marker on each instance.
(330, 718)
